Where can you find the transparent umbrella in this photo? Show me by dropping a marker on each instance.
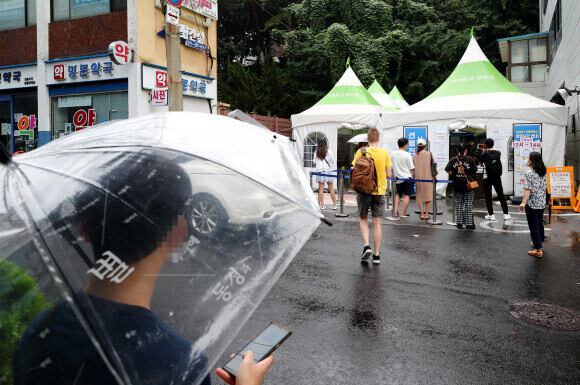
(134, 251)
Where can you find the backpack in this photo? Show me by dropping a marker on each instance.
(493, 163)
(363, 178)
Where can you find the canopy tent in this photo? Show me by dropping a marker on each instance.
(477, 95)
(382, 97)
(398, 98)
(347, 102)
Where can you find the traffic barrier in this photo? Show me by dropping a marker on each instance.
(454, 221)
(434, 220)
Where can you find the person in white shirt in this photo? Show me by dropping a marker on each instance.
(403, 168)
(323, 161)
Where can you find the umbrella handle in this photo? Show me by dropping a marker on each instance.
(4, 154)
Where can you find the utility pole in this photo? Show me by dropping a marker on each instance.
(173, 53)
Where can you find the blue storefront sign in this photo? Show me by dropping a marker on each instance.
(413, 134)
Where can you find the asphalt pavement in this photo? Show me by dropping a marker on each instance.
(435, 311)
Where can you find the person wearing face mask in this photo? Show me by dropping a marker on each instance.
(534, 201)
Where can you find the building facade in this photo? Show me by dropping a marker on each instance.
(56, 76)
(544, 62)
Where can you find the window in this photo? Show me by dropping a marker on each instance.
(310, 144)
(17, 14)
(74, 9)
(71, 113)
(555, 32)
(528, 60)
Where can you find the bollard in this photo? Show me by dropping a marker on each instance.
(454, 221)
(341, 194)
(392, 217)
(434, 220)
(388, 193)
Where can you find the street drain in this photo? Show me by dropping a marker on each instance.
(546, 315)
(315, 236)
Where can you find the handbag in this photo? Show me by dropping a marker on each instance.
(434, 171)
(471, 185)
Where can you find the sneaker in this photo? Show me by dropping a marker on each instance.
(366, 253)
(376, 259)
(460, 226)
(506, 217)
(405, 215)
(470, 227)
(322, 207)
(491, 217)
(334, 207)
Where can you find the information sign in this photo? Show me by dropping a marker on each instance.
(561, 187)
(528, 138)
(120, 53)
(414, 134)
(159, 97)
(172, 15)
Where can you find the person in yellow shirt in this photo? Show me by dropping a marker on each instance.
(375, 200)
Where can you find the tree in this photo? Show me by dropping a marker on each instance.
(20, 303)
(414, 44)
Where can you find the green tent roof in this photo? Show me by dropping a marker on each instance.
(348, 90)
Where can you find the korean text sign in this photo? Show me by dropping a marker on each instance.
(413, 134)
(527, 138)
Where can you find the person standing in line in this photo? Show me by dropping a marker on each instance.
(422, 161)
(491, 159)
(403, 168)
(375, 200)
(462, 170)
(534, 202)
(323, 160)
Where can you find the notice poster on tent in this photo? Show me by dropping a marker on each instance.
(497, 135)
(524, 137)
(441, 148)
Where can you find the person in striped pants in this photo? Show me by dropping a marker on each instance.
(462, 169)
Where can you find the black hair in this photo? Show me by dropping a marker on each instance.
(462, 147)
(401, 142)
(142, 195)
(489, 143)
(537, 163)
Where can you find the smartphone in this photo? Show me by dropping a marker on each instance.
(262, 346)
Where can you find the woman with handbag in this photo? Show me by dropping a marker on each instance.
(534, 201)
(462, 170)
(423, 161)
(323, 160)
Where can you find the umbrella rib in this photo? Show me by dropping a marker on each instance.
(100, 188)
(216, 161)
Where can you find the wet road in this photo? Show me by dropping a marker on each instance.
(435, 311)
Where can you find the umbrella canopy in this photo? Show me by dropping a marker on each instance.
(348, 101)
(476, 89)
(398, 98)
(382, 97)
(359, 138)
(134, 251)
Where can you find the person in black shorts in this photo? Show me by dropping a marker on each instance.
(491, 159)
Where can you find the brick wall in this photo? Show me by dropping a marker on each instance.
(86, 36)
(18, 46)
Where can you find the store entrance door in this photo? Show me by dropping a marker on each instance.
(5, 126)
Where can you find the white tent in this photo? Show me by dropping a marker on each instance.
(398, 99)
(382, 97)
(477, 95)
(348, 104)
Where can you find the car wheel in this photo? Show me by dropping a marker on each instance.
(208, 217)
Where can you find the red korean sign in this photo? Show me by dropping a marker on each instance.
(120, 53)
(159, 97)
(83, 119)
(160, 79)
(59, 72)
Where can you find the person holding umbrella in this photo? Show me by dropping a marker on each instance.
(121, 285)
(100, 224)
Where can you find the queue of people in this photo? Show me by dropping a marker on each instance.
(462, 170)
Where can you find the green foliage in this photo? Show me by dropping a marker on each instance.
(20, 303)
(414, 44)
(268, 92)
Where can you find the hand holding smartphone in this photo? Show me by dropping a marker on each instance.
(262, 346)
